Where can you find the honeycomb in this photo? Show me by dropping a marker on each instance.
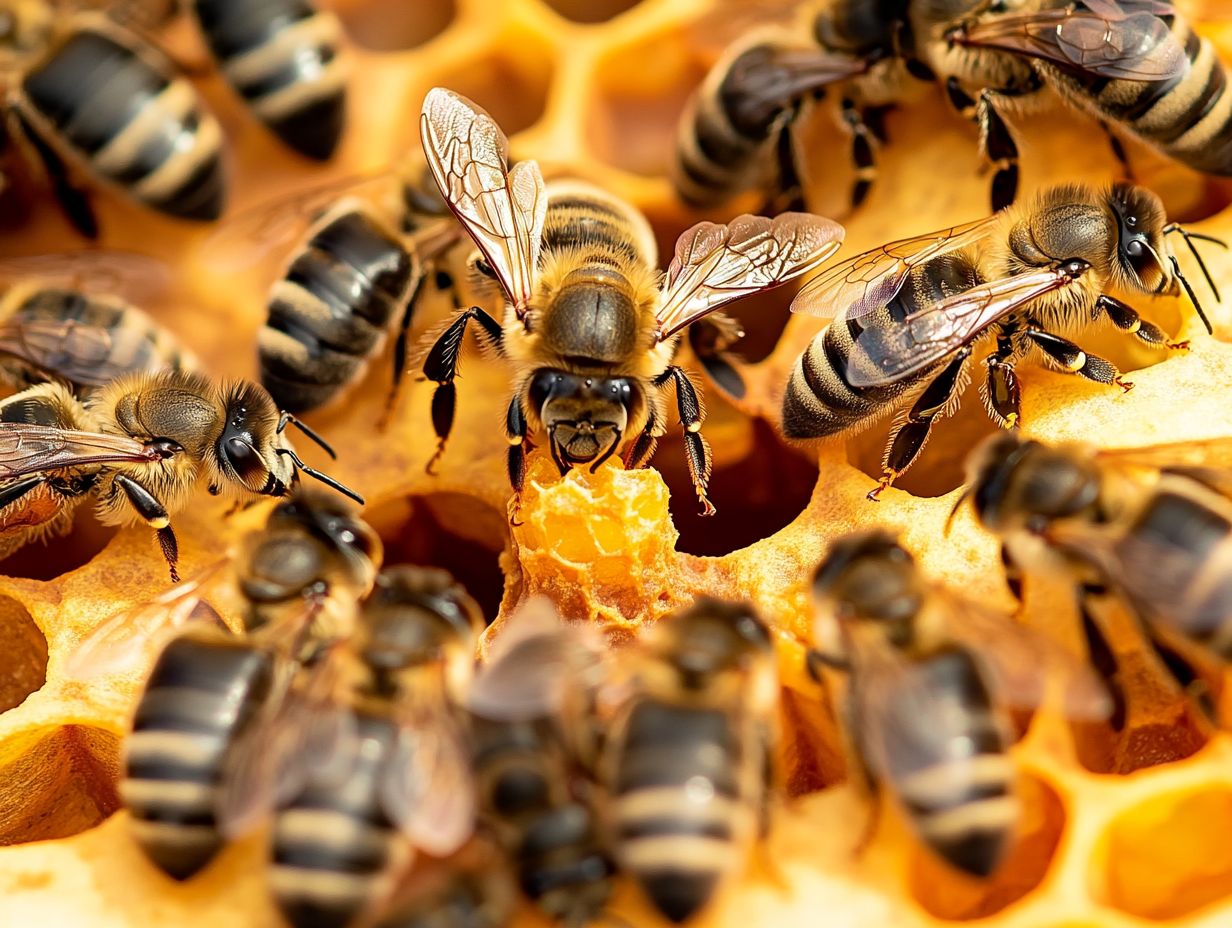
(1122, 827)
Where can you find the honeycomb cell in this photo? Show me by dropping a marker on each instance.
(58, 782)
(387, 27)
(46, 560)
(591, 11)
(945, 893)
(510, 81)
(23, 668)
(1168, 856)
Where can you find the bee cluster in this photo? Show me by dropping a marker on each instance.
(402, 755)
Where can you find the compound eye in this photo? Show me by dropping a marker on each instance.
(243, 459)
(1140, 257)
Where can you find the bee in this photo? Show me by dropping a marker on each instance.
(528, 707)
(90, 95)
(140, 446)
(284, 57)
(477, 892)
(687, 764)
(1146, 525)
(736, 132)
(587, 327)
(931, 680)
(297, 580)
(908, 318)
(380, 757)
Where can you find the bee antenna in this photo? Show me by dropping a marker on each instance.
(963, 497)
(1193, 297)
(1193, 250)
(285, 419)
(324, 478)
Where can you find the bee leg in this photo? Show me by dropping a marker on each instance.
(710, 338)
(908, 440)
(1126, 318)
(1069, 357)
(73, 201)
(999, 147)
(791, 190)
(1118, 150)
(15, 491)
(1102, 657)
(441, 366)
(155, 515)
(1003, 394)
(1013, 575)
(642, 450)
(515, 429)
(691, 416)
(400, 345)
(863, 151)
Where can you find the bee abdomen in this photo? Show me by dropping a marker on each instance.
(199, 696)
(282, 56)
(560, 861)
(144, 130)
(330, 312)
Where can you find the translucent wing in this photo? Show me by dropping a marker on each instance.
(245, 239)
(131, 639)
(715, 264)
(30, 449)
(1123, 41)
(1211, 457)
(887, 353)
(426, 785)
(503, 209)
(82, 354)
(865, 283)
(135, 277)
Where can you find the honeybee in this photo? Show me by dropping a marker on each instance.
(297, 581)
(907, 318)
(688, 761)
(1148, 525)
(587, 327)
(377, 757)
(140, 446)
(931, 680)
(285, 58)
(477, 892)
(1135, 65)
(87, 92)
(528, 706)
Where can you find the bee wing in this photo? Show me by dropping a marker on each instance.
(503, 209)
(1022, 662)
(1203, 459)
(425, 786)
(134, 277)
(72, 350)
(865, 283)
(1122, 40)
(132, 638)
(715, 264)
(245, 239)
(885, 354)
(30, 449)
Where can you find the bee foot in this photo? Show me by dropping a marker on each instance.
(1178, 346)
(1125, 385)
(886, 481)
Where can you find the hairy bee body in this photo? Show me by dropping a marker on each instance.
(284, 58)
(119, 112)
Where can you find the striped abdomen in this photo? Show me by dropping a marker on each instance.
(199, 696)
(85, 340)
(1174, 565)
(283, 58)
(1188, 117)
(133, 124)
(820, 400)
(947, 763)
(333, 845)
(330, 312)
(681, 822)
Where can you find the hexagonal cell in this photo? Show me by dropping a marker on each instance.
(640, 91)
(55, 556)
(591, 11)
(387, 27)
(57, 782)
(1168, 857)
(509, 80)
(23, 669)
(946, 893)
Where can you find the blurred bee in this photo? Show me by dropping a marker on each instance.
(297, 580)
(587, 327)
(86, 93)
(140, 446)
(909, 317)
(528, 707)
(931, 678)
(1134, 64)
(477, 892)
(1147, 525)
(737, 131)
(284, 57)
(687, 764)
(378, 757)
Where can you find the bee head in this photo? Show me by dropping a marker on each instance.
(871, 577)
(1140, 250)
(585, 416)
(245, 451)
(710, 639)
(1021, 484)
